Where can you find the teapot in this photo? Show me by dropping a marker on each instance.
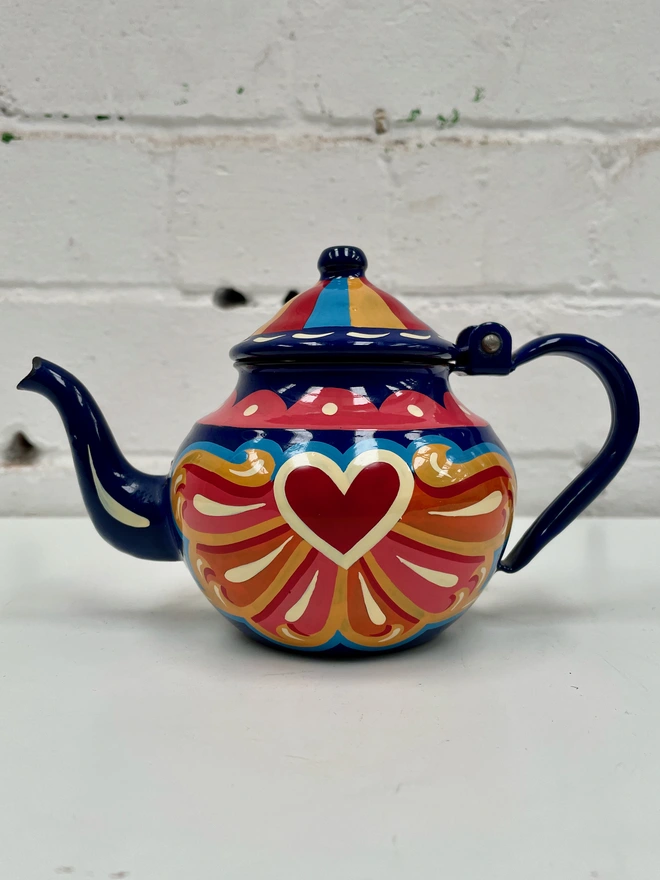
(342, 500)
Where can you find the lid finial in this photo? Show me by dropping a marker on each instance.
(346, 316)
(342, 262)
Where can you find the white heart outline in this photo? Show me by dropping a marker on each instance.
(343, 479)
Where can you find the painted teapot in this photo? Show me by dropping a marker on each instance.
(342, 499)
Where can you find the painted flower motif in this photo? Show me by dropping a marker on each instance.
(368, 548)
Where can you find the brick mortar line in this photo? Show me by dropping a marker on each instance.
(260, 298)
(169, 133)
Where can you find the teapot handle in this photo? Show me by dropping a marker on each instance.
(624, 406)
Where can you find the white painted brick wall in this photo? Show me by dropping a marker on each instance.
(237, 140)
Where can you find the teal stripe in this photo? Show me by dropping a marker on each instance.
(331, 309)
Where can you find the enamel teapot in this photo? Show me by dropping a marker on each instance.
(342, 499)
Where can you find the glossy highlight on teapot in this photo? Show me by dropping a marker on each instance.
(342, 499)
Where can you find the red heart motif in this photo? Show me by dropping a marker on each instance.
(342, 519)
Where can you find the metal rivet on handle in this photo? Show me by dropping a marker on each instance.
(491, 343)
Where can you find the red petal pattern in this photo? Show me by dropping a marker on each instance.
(252, 564)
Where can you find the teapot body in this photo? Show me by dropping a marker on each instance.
(342, 500)
(342, 507)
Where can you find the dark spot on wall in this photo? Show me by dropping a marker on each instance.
(8, 106)
(381, 121)
(20, 451)
(229, 298)
(8, 137)
(290, 295)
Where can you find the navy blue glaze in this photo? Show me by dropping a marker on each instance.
(375, 381)
(624, 405)
(397, 346)
(342, 261)
(470, 357)
(143, 494)
(232, 438)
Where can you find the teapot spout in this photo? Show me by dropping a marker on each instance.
(130, 509)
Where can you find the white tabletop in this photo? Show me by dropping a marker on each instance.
(142, 737)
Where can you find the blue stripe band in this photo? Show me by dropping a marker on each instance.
(331, 309)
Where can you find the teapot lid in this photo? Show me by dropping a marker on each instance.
(343, 315)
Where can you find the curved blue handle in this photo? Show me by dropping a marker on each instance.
(624, 405)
